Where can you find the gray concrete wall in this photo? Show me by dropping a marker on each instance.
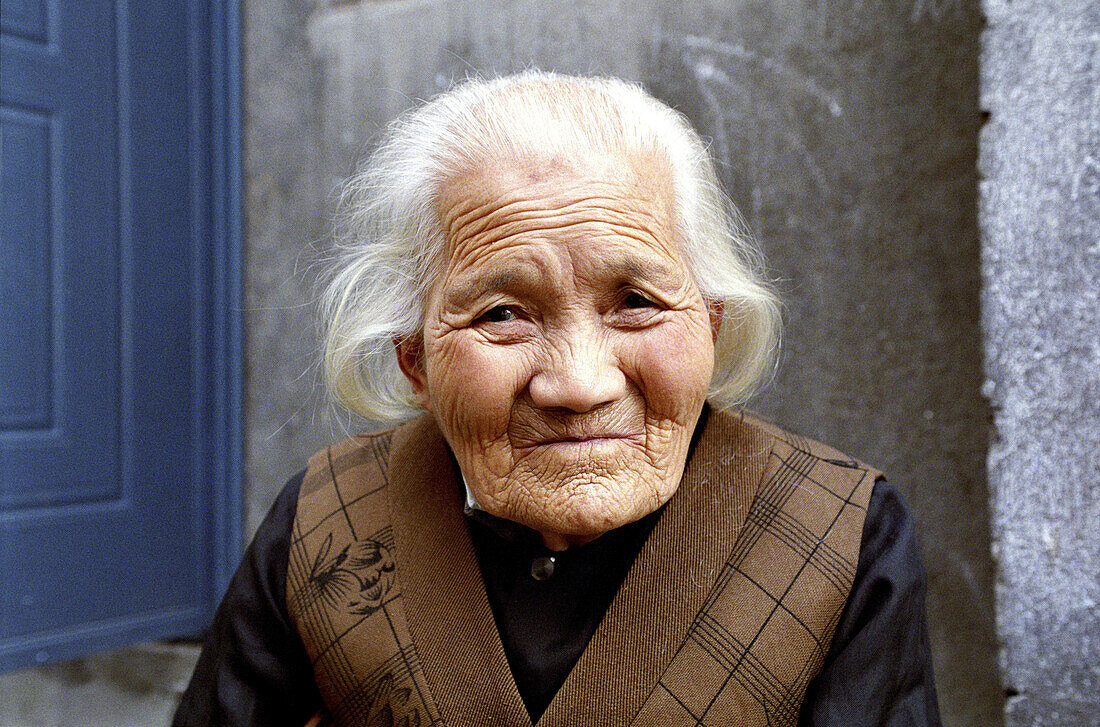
(1040, 218)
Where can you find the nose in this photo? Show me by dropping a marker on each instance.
(579, 373)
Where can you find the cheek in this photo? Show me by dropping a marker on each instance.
(472, 385)
(673, 366)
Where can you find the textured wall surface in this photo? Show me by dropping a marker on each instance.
(845, 131)
(1040, 219)
(135, 687)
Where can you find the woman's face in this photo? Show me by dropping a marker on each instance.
(566, 351)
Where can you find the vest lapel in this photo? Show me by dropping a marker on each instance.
(444, 599)
(668, 583)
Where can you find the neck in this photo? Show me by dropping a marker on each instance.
(559, 542)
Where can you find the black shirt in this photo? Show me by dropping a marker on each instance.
(253, 669)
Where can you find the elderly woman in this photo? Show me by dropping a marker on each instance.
(577, 527)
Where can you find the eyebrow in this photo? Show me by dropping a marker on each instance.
(630, 268)
(481, 286)
(619, 268)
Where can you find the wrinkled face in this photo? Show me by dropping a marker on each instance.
(566, 350)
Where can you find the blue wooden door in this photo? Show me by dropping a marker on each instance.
(119, 376)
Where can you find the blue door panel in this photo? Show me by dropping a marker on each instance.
(119, 358)
(25, 324)
(25, 19)
(72, 456)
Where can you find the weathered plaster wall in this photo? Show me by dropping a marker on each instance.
(1040, 219)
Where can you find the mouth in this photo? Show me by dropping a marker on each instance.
(579, 440)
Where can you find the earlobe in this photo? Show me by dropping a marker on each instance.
(410, 357)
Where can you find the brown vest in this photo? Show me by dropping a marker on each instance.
(723, 619)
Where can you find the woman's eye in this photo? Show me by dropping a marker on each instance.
(499, 314)
(637, 300)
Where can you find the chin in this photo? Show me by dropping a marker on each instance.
(594, 508)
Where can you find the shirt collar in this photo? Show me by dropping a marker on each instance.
(471, 501)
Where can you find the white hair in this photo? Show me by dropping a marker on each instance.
(391, 242)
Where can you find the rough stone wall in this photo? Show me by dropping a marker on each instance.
(1040, 220)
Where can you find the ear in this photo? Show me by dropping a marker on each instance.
(410, 357)
(716, 308)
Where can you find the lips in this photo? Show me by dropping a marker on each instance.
(578, 439)
(530, 429)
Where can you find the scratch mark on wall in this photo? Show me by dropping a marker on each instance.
(738, 109)
(702, 44)
(705, 71)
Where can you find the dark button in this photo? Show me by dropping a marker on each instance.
(542, 568)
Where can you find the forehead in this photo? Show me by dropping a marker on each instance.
(620, 207)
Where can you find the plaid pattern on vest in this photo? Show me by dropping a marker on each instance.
(724, 617)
